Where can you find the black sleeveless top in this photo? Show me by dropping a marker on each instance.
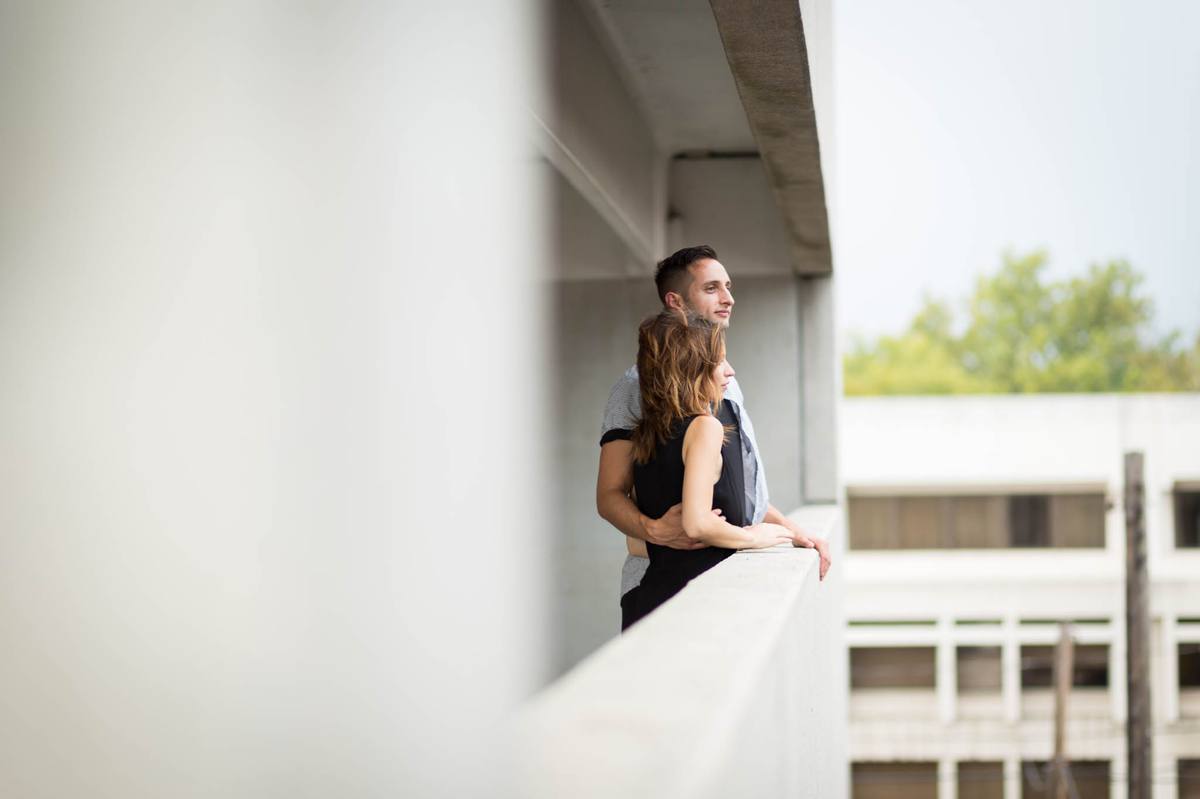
(659, 485)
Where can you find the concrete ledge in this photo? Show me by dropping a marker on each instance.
(765, 44)
(734, 687)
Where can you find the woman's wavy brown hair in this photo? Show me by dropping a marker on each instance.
(676, 358)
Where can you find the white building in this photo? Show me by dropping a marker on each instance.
(975, 525)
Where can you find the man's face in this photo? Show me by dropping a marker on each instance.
(711, 292)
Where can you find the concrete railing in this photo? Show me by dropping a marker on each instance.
(735, 687)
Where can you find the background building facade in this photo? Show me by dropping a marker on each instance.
(976, 524)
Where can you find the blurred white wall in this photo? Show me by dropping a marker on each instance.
(270, 520)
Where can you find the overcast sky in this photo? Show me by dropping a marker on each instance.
(968, 127)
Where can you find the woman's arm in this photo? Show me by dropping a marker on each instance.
(701, 469)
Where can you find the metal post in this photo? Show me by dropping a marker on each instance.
(1137, 631)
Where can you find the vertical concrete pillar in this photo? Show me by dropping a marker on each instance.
(1012, 777)
(1119, 788)
(1166, 777)
(820, 388)
(947, 677)
(1168, 685)
(947, 778)
(1010, 671)
(1116, 670)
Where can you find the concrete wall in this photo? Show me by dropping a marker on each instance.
(592, 130)
(271, 399)
(726, 202)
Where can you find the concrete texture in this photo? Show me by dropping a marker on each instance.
(765, 352)
(821, 384)
(727, 203)
(673, 60)
(591, 128)
(730, 689)
(765, 45)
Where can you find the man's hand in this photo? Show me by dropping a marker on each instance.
(668, 531)
(800, 539)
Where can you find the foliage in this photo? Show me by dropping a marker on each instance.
(1024, 334)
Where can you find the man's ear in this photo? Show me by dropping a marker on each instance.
(674, 301)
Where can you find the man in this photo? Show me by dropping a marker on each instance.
(691, 279)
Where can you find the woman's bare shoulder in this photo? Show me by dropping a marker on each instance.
(704, 430)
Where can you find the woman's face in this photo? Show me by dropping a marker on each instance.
(722, 375)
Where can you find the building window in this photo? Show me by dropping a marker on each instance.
(978, 669)
(894, 780)
(977, 521)
(892, 667)
(1090, 671)
(980, 780)
(1189, 665)
(1091, 779)
(1029, 520)
(1187, 775)
(1187, 515)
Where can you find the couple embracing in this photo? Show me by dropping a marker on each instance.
(680, 471)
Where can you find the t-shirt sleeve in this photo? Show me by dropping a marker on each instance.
(622, 411)
(616, 434)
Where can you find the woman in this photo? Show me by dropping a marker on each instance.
(685, 449)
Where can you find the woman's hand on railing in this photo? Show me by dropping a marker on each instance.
(766, 535)
(799, 539)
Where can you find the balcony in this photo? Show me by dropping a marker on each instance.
(736, 687)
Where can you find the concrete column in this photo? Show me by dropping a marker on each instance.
(947, 677)
(1116, 670)
(1168, 687)
(1012, 777)
(1010, 671)
(947, 779)
(820, 388)
(1166, 777)
(1118, 769)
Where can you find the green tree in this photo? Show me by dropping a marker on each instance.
(1024, 334)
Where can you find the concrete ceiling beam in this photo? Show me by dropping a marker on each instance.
(765, 46)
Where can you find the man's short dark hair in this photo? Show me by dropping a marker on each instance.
(672, 271)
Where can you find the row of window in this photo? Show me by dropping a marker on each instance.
(998, 521)
(1091, 779)
(978, 668)
(977, 521)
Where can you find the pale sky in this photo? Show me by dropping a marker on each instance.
(967, 127)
